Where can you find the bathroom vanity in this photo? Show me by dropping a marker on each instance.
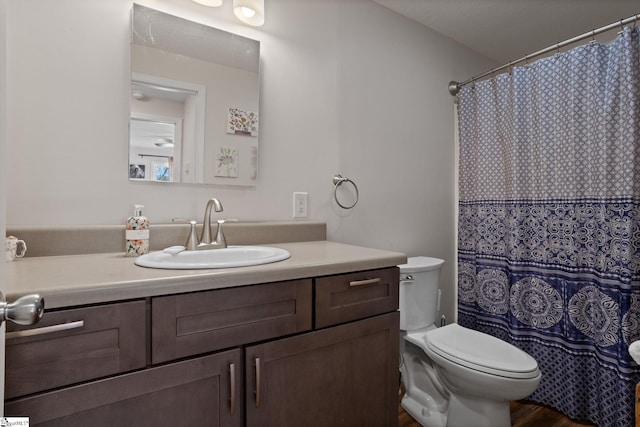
(310, 341)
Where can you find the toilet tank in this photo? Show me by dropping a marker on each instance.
(419, 292)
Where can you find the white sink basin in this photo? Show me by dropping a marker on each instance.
(233, 256)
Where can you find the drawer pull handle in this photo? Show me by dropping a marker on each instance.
(45, 330)
(258, 381)
(232, 380)
(364, 282)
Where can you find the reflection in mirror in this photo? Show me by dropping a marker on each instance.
(194, 102)
(156, 141)
(167, 122)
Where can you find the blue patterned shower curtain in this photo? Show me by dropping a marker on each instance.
(549, 222)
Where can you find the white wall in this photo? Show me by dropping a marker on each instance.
(347, 87)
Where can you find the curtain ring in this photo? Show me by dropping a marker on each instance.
(338, 180)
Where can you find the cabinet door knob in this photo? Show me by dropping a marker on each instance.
(26, 310)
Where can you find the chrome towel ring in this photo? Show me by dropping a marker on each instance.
(338, 180)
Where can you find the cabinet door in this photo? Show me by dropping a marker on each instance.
(342, 376)
(197, 392)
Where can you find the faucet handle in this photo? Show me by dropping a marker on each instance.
(222, 221)
(192, 240)
(220, 240)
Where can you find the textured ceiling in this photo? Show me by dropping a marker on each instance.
(506, 30)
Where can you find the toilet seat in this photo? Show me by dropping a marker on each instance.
(481, 352)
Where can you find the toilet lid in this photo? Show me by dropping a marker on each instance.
(419, 264)
(480, 351)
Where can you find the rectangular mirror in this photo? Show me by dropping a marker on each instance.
(194, 102)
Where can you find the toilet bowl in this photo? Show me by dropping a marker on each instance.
(454, 376)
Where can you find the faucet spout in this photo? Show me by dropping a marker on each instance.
(205, 237)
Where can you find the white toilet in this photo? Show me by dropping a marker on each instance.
(454, 376)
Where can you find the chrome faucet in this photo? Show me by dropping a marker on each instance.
(205, 236)
(204, 242)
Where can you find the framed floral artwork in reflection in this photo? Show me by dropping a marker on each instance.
(227, 162)
(242, 122)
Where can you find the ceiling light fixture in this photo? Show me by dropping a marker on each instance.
(165, 143)
(250, 12)
(137, 95)
(210, 3)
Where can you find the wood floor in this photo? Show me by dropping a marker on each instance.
(523, 414)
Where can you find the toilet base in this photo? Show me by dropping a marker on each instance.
(425, 416)
(461, 413)
(469, 411)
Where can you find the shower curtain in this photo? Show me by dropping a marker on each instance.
(549, 221)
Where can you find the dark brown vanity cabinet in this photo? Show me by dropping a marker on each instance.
(346, 297)
(344, 373)
(75, 345)
(342, 376)
(311, 352)
(194, 392)
(189, 324)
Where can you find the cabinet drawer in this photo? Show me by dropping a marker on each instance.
(348, 297)
(75, 345)
(189, 324)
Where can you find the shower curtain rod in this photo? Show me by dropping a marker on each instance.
(454, 87)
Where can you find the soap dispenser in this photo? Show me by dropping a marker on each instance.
(137, 233)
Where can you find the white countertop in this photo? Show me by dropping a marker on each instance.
(72, 280)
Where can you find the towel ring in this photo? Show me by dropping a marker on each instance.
(338, 180)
